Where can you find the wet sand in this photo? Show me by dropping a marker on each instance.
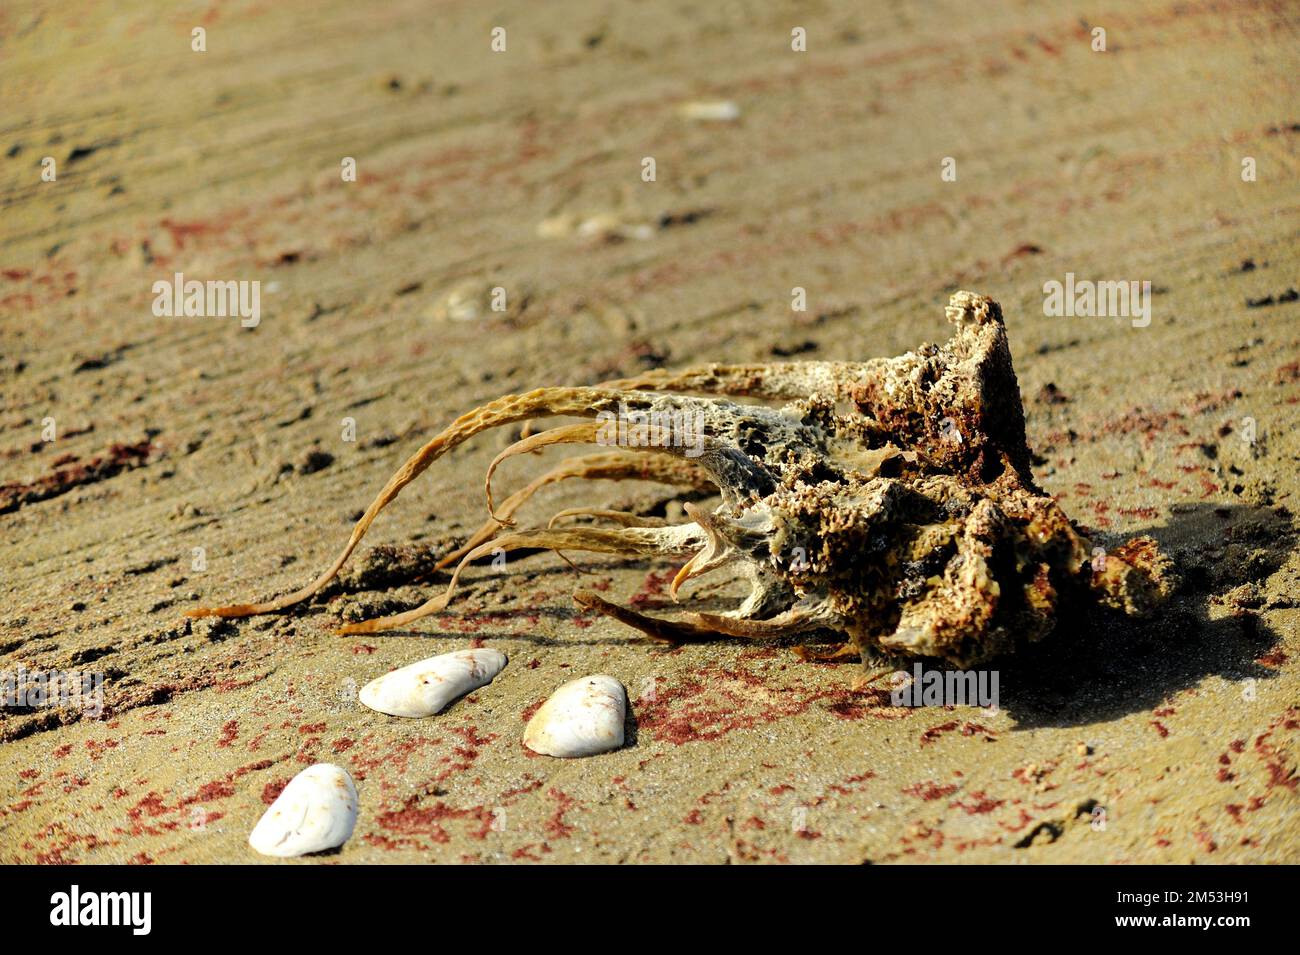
(476, 170)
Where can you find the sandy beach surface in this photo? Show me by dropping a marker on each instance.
(198, 461)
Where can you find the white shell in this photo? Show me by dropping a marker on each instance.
(424, 688)
(582, 718)
(316, 811)
(710, 111)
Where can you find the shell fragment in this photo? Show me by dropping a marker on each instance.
(424, 688)
(710, 111)
(316, 811)
(581, 718)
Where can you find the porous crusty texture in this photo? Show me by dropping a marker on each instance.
(909, 520)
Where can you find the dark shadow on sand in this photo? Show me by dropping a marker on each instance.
(1101, 665)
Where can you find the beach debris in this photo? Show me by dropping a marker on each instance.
(603, 226)
(316, 811)
(710, 111)
(891, 501)
(582, 718)
(427, 686)
(478, 299)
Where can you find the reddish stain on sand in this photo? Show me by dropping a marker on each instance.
(97, 747)
(850, 785)
(929, 790)
(934, 733)
(713, 701)
(150, 805)
(531, 786)
(1274, 659)
(531, 710)
(414, 819)
(1280, 773)
(472, 736)
(271, 791)
(210, 791)
(556, 827)
(656, 582)
(978, 803)
(117, 458)
(529, 853)
(863, 704)
(396, 758)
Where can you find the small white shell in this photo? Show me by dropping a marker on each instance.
(316, 811)
(424, 688)
(710, 111)
(599, 225)
(582, 718)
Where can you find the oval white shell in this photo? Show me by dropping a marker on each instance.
(316, 811)
(715, 111)
(424, 688)
(582, 718)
